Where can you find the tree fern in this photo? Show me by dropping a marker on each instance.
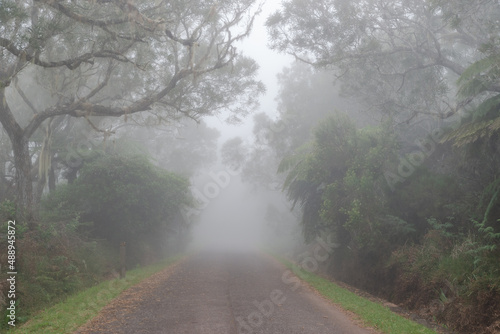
(490, 195)
(471, 132)
(485, 121)
(488, 109)
(293, 164)
(478, 77)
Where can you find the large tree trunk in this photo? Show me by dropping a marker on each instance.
(22, 162)
(24, 185)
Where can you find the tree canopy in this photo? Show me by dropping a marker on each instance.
(112, 58)
(402, 57)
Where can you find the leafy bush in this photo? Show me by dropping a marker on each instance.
(7, 210)
(53, 262)
(121, 198)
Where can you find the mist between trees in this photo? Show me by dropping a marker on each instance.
(95, 100)
(385, 136)
(398, 158)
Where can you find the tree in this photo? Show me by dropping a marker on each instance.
(305, 98)
(402, 57)
(111, 58)
(338, 181)
(121, 198)
(234, 153)
(482, 120)
(193, 147)
(182, 146)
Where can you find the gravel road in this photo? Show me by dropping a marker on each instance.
(218, 293)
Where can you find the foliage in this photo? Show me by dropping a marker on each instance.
(479, 76)
(192, 146)
(401, 58)
(54, 262)
(75, 245)
(123, 197)
(413, 64)
(7, 210)
(339, 184)
(428, 196)
(483, 121)
(424, 222)
(234, 153)
(491, 238)
(301, 88)
(490, 203)
(66, 316)
(170, 60)
(442, 228)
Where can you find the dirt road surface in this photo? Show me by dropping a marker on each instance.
(219, 293)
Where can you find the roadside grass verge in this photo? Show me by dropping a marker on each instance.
(69, 315)
(370, 313)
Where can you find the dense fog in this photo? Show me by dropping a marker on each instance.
(182, 127)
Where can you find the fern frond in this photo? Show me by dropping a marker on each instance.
(487, 109)
(288, 162)
(473, 87)
(489, 65)
(484, 123)
(472, 132)
(292, 176)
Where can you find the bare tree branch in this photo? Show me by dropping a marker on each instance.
(133, 15)
(24, 97)
(71, 63)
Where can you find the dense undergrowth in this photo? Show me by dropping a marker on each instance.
(68, 315)
(425, 235)
(372, 314)
(54, 262)
(75, 242)
(454, 280)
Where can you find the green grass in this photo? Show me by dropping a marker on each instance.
(370, 313)
(76, 310)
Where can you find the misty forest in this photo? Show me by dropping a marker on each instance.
(353, 144)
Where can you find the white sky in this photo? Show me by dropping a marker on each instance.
(270, 62)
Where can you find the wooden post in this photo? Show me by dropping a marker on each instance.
(122, 260)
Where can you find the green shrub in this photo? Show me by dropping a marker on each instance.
(121, 198)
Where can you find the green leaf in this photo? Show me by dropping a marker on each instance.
(474, 80)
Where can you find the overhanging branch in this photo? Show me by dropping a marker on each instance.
(71, 63)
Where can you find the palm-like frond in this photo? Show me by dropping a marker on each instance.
(471, 132)
(478, 77)
(293, 164)
(485, 121)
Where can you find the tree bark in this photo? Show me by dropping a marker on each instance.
(22, 162)
(24, 186)
(52, 178)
